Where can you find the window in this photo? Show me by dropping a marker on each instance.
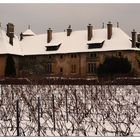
(73, 68)
(48, 68)
(92, 55)
(49, 56)
(53, 48)
(95, 45)
(91, 68)
(61, 56)
(95, 55)
(119, 54)
(33, 57)
(73, 55)
(61, 70)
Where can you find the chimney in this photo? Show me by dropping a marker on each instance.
(89, 30)
(69, 30)
(103, 25)
(138, 37)
(10, 32)
(49, 35)
(109, 30)
(134, 38)
(21, 36)
(29, 27)
(117, 24)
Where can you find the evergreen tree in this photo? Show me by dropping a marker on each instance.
(114, 65)
(10, 69)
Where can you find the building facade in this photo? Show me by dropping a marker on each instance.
(70, 54)
(74, 65)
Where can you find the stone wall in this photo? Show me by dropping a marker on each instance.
(62, 63)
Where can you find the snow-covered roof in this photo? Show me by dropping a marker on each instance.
(75, 43)
(29, 32)
(6, 48)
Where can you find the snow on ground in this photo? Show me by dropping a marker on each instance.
(70, 110)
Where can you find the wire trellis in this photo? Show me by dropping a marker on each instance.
(69, 110)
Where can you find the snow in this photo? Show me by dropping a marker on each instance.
(75, 43)
(106, 115)
(29, 32)
(6, 48)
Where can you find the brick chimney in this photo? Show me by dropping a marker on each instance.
(134, 38)
(103, 25)
(69, 30)
(49, 35)
(10, 32)
(109, 30)
(138, 37)
(89, 32)
(117, 24)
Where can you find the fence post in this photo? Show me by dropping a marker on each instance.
(85, 96)
(12, 93)
(1, 94)
(67, 117)
(76, 105)
(53, 105)
(38, 116)
(18, 115)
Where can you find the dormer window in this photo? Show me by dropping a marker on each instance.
(95, 45)
(52, 47)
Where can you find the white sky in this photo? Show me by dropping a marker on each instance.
(59, 16)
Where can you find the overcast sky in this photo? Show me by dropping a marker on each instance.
(59, 16)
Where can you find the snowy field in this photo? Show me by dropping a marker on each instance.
(55, 110)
